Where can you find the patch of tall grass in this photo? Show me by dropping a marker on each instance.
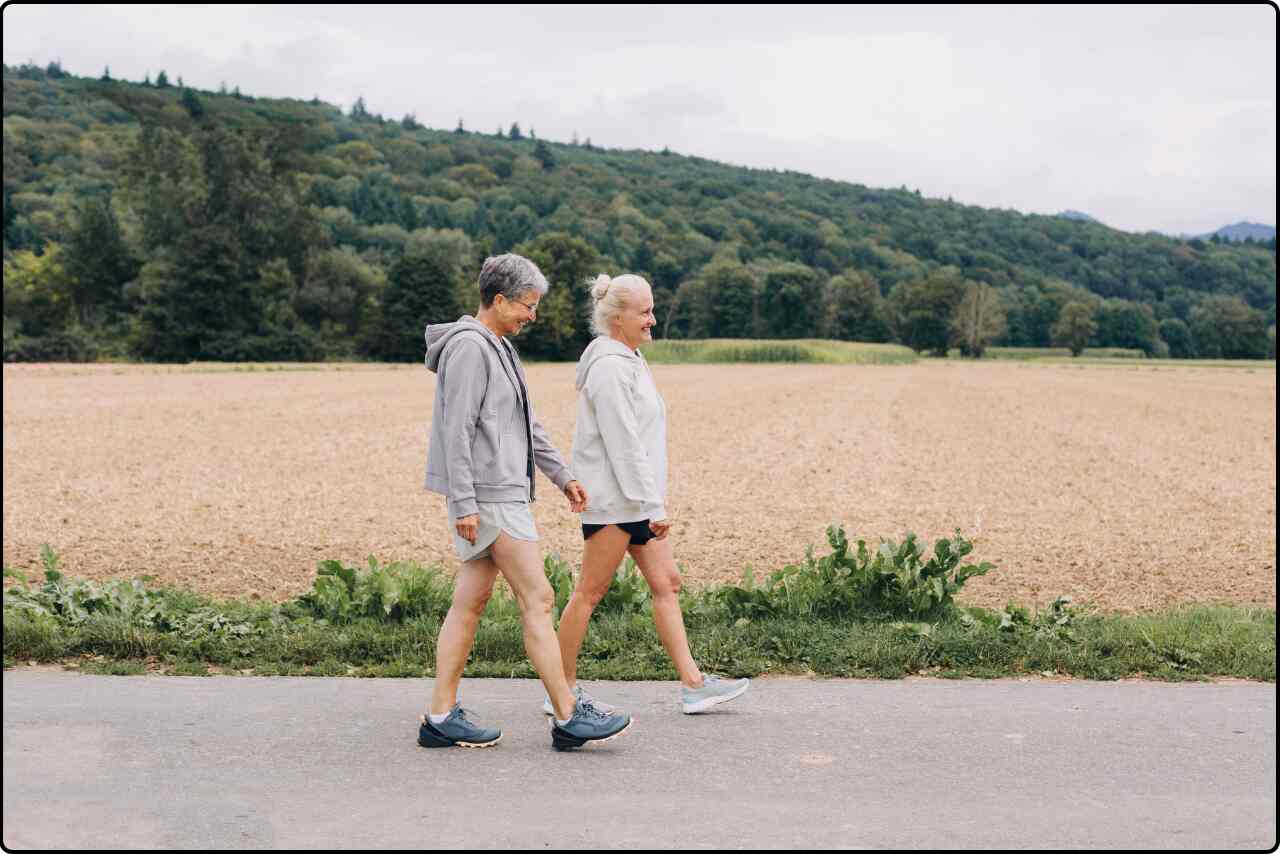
(720, 350)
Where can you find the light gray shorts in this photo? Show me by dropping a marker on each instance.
(514, 517)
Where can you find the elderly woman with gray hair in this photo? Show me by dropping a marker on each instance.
(485, 442)
(620, 454)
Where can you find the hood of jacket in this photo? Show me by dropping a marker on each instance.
(439, 334)
(601, 347)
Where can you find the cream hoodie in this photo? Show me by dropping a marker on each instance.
(620, 440)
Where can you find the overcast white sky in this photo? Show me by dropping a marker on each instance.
(1144, 117)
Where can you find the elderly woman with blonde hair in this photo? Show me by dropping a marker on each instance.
(620, 456)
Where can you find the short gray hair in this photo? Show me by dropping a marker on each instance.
(509, 275)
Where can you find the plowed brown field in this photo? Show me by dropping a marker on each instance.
(1127, 487)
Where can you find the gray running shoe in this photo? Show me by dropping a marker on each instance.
(588, 724)
(548, 709)
(456, 731)
(714, 691)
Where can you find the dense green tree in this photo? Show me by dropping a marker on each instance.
(193, 302)
(1177, 335)
(1074, 327)
(858, 310)
(562, 329)
(1226, 327)
(335, 294)
(1122, 323)
(421, 289)
(790, 302)
(921, 310)
(191, 103)
(543, 154)
(98, 262)
(1029, 315)
(164, 185)
(731, 294)
(38, 297)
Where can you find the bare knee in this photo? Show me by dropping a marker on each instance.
(591, 594)
(666, 588)
(470, 609)
(539, 601)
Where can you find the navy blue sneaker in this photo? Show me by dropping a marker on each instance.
(456, 731)
(588, 724)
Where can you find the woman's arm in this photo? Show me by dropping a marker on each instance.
(463, 383)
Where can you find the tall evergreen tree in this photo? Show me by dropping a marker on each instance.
(191, 103)
(543, 154)
(98, 261)
(421, 289)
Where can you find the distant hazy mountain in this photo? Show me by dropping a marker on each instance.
(1241, 230)
(1077, 215)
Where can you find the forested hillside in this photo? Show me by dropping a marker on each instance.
(158, 222)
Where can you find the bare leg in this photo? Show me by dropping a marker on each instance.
(471, 589)
(658, 565)
(521, 565)
(601, 555)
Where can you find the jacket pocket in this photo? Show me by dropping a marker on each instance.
(486, 449)
(511, 465)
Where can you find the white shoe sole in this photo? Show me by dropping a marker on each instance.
(703, 705)
(472, 745)
(620, 732)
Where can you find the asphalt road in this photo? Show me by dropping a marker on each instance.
(238, 762)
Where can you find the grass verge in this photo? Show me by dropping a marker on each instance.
(886, 612)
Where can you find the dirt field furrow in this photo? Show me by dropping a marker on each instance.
(1130, 488)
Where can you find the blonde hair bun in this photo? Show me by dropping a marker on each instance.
(600, 287)
(611, 295)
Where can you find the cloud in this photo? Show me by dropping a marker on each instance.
(1144, 117)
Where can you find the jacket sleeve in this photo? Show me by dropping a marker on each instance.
(611, 392)
(463, 384)
(546, 457)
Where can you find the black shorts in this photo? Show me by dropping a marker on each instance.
(640, 531)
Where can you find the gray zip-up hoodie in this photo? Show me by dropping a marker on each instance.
(620, 439)
(484, 439)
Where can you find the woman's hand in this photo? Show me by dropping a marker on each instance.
(577, 496)
(660, 528)
(469, 528)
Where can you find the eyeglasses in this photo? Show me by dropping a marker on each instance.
(533, 309)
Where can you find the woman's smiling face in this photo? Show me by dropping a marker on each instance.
(518, 313)
(634, 323)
